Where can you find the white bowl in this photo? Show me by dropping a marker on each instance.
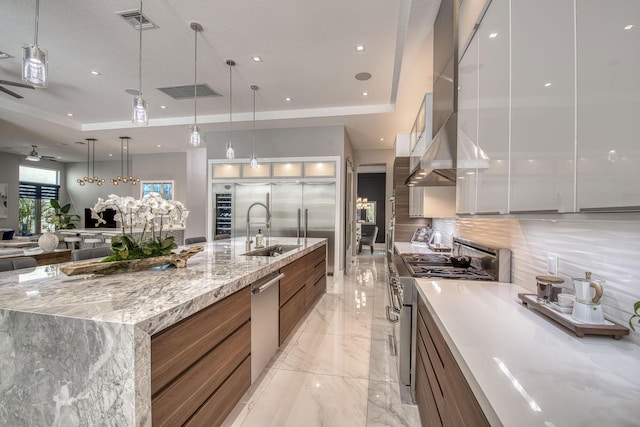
(566, 300)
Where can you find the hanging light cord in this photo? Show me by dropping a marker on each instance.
(88, 155)
(230, 103)
(122, 157)
(255, 88)
(93, 159)
(35, 38)
(140, 55)
(195, 79)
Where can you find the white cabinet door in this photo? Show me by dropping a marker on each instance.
(608, 52)
(467, 129)
(493, 110)
(543, 105)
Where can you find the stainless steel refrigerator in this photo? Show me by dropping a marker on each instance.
(297, 210)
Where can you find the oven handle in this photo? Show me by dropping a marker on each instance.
(392, 310)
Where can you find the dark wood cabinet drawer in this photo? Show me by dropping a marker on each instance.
(214, 411)
(316, 263)
(176, 403)
(291, 313)
(429, 413)
(456, 403)
(294, 279)
(315, 290)
(179, 346)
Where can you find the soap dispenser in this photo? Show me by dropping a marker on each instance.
(259, 239)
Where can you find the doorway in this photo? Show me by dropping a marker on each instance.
(372, 186)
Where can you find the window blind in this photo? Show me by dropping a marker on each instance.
(34, 190)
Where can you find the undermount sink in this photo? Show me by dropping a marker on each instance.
(273, 250)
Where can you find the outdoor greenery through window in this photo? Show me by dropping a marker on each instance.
(164, 188)
(37, 188)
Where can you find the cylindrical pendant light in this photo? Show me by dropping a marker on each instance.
(34, 59)
(139, 115)
(253, 163)
(230, 151)
(194, 130)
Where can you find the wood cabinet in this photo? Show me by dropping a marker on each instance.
(443, 395)
(303, 283)
(542, 106)
(200, 363)
(608, 88)
(405, 225)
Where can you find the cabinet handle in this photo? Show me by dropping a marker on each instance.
(489, 213)
(612, 209)
(267, 285)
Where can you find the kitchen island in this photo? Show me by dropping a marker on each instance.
(522, 369)
(76, 351)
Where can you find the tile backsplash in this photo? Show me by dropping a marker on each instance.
(609, 249)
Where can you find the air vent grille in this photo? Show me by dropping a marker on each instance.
(134, 19)
(187, 92)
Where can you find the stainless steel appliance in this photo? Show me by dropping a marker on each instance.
(486, 264)
(297, 210)
(265, 306)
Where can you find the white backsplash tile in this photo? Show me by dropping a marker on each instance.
(609, 249)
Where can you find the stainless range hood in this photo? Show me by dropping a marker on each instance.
(438, 165)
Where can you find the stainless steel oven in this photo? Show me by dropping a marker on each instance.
(486, 264)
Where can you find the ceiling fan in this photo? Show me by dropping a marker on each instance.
(35, 157)
(10, 92)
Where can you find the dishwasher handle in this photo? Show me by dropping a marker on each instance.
(256, 289)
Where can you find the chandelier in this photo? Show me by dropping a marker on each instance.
(91, 177)
(128, 176)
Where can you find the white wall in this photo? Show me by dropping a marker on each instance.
(607, 248)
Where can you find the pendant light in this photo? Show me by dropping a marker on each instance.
(91, 160)
(230, 151)
(139, 116)
(35, 60)
(253, 163)
(126, 173)
(194, 129)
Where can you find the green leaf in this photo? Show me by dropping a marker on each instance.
(54, 204)
(65, 208)
(636, 307)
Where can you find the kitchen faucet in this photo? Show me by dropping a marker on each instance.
(268, 223)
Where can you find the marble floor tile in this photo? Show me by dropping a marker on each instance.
(382, 364)
(386, 409)
(305, 399)
(328, 354)
(338, 323)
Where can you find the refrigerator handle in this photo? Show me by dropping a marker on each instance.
(299, 218)
(306, 222)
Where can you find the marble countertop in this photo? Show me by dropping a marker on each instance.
(526, 370)
(150, 300)
(410, 248)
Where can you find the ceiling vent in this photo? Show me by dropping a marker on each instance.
(187, 92)
(134, 19)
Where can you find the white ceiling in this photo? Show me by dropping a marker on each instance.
(308, 51)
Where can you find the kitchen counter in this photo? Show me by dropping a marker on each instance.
(76, 350)
(526, 370)
(410, 248)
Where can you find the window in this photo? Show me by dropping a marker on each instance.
(37, 187)
(164, 188)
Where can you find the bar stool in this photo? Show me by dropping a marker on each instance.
(108, 235)
(71, 237)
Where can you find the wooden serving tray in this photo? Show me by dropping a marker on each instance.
(580, 329)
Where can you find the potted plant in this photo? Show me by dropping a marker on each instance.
(59, 216)
(636, 316)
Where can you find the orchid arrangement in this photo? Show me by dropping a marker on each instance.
(152, 213)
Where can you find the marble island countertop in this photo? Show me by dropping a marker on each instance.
(75, 351)
(526, 370)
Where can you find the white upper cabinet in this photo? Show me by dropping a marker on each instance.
(467, 130)
(492, 155)
(608, 52)
(543, 105)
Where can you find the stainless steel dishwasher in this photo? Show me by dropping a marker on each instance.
(265, 310)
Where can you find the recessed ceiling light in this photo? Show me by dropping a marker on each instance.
(58, 157)
(256, 59)
(381, 139)
(547, 84)
(4, 55)
(365, 94)
(95, 72)
(110, 155)
(628, 27)
(493, 35)
(287, 99)
(70, 114)
(164, 107)
(158, 145)
(359, 48)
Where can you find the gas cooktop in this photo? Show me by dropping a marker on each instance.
(444, 272)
